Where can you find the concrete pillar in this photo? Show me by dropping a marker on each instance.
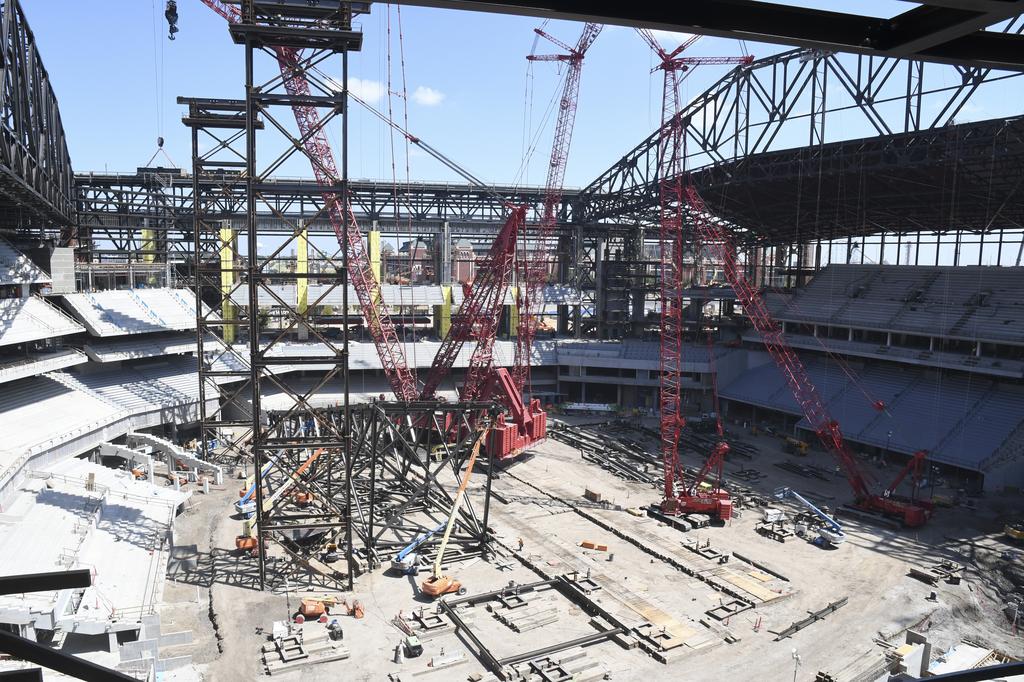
(888, 338)
(577, 278)
(754, 271)
(227, 279)
(301, 282)
(112, 642)
(443, 254)
(599, 280)
(563, 319)
(28, 631)
(849, 334)
(977, 349)
(638, 297)
(513, 313)
(779, 266)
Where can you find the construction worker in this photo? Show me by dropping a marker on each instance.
(520, 544)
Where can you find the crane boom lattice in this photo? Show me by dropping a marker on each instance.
(534, 267)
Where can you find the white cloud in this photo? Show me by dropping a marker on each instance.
(670, 39)
(704, 117)
(369, 91)
(428, 97)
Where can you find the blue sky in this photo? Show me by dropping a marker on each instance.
(117, 76)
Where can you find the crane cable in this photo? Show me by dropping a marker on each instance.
(405, 123)
(158, 68)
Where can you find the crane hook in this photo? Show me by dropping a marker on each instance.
(171, 13)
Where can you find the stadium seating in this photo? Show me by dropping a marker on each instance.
(39, 363)
(962, 419)
(39, 412)
(16, 268)
(134, 311)
(148, 346)
(32, 319)
(972, 302)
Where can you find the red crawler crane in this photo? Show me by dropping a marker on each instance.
(477, 320)
(479, 314)
(534, 269)
(911, 512)
(378, 319)
(670, 189)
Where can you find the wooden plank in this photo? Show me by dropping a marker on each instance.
(663, 620)
(752, 587)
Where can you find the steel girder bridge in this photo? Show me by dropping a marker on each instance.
(795, 150)
(877, 70)
(771, 114)
(36, 180)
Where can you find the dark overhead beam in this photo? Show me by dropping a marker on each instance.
(800, 26)
(54, 659)
(45, 582)
(975, 5)
(927, 27)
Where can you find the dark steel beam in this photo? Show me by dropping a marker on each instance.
(773, 23)
(586, 640)
(44, 582)
(926, 28)
(54, 659)
(32, 675)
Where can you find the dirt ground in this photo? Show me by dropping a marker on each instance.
(215, 594)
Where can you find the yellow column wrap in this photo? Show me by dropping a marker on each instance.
(148, 244)
(227, 279)
(443, 312)
(302, 283)
(373, 252)
(302, 268)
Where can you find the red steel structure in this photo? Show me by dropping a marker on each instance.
(534, 269)
(479, 315)
(713, 501)
(716, 237)
(314, 141)
(477, 320)
(670, 189)
(670, 172)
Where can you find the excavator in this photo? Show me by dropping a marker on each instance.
(439, 584)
